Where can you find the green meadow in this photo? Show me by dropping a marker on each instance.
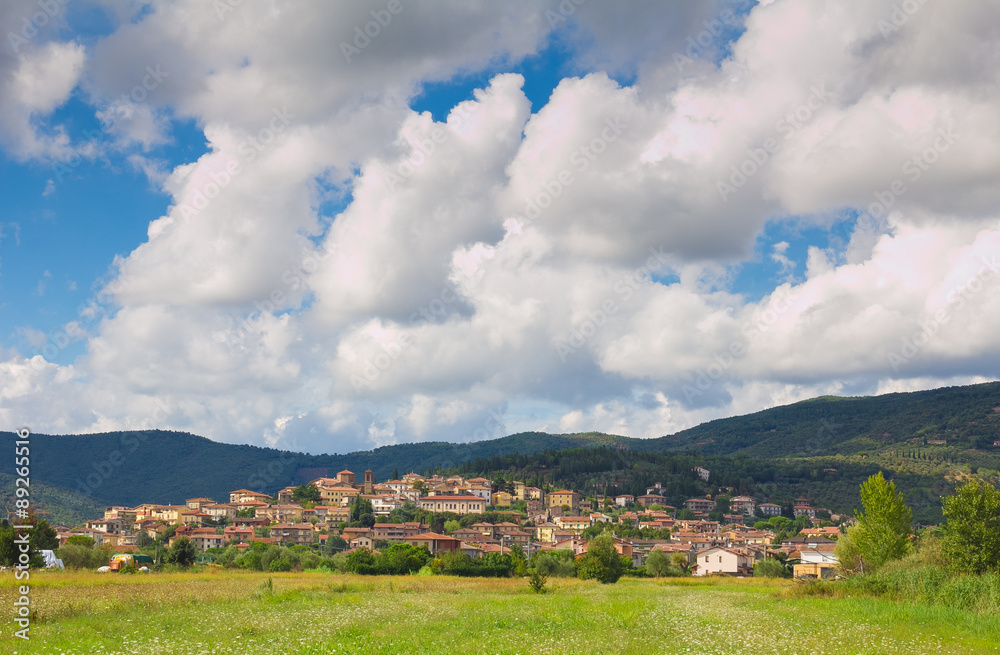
(217, 611)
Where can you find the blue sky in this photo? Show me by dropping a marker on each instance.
(66, 222)
(369, 275)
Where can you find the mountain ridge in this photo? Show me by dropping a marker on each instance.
(143, 466)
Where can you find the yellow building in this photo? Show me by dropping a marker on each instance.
(501, 499)
(560, 498)
(337, 495)
(458, 504)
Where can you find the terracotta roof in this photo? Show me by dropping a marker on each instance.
(296, 526)
(432, 535)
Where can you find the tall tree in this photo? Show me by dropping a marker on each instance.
(182, 552)
(602, 562)
(972, 531)
(657, 563)
(885, 526)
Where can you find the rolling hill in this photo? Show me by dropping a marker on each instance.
(966, 418)
(934, 433)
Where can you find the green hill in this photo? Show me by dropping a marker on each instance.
(57, 505)
(167, 467)
(901, 433)
(966, 418)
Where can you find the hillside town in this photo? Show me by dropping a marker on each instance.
(524, 517)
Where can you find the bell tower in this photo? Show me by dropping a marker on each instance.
(369, 483)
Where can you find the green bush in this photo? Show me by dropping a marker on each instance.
(280, 564)
(250, 560)
(932, 584)
(77, 556)
(770, 568)
(537, 582)
(81, 540)
(555, 565)
(490, 565)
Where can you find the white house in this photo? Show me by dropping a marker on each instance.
(624, 499)
(730, 561)
(383, 505)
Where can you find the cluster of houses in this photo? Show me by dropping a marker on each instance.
(553, 521)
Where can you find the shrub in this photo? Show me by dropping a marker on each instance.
(555, 566)
(339, 562)
(250, 560)
(280, 564)
(537, 582)
(81, 540)
(932, 584)
(770, 568)
(849, 561)
(269, 556)
(76, 556)
(491, 565)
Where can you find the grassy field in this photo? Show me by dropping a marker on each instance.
(236, 612)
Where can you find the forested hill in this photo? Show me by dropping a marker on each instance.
(964, 417)
(160, 466)
(167, 467)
